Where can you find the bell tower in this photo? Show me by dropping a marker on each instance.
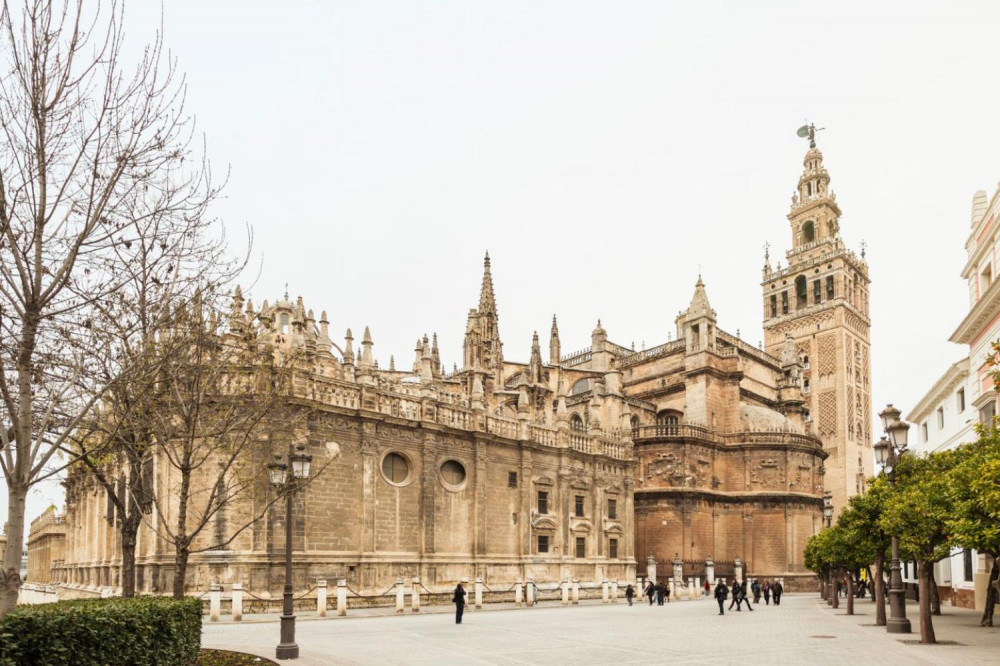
(819, 303)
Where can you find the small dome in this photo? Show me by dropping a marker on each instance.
(755, 418)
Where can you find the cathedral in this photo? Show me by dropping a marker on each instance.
(701, 451)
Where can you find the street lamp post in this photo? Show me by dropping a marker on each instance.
(278, 472)
(828, 519)
(888, 452)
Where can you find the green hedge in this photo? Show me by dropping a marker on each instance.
(98, 632)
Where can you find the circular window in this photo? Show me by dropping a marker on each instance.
(395, 468)
(453, 474)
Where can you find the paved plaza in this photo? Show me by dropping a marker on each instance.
(803, 630)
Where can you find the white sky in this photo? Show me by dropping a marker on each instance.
(601, 152)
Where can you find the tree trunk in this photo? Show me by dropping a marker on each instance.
(130, 525)
(10, 572)
(180, 570)
(834, 577)
(850, 592)
(991, 593)
(935, 593)
(879, 590)
(823, 587)
(924, 579)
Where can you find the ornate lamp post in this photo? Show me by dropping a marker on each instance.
(828, 519)
(278, 472)
(888, 451)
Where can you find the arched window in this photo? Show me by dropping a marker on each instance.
(576, 423)
(581, 386)
(670, 420)
(634, 422)
(801, 291)
(809, 231)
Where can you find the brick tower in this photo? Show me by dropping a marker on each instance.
(820, 301)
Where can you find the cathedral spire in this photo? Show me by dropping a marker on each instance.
(699, 302)
(554, 346)
(487, 303)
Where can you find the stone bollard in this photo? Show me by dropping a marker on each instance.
(710, 570)
(479, 592)
(237, 602)
(604, 591)
(697, 586)
(690, 588)
(651, 568)
(530, 589)
(673, 588)
(518, 594)
(214, 602)
(738, 570)
(415, 595)
(565, 592)
(341, 597)
(576, 590)
(400, 595)
(614, 591)
(321, 598)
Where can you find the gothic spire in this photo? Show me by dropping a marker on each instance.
(487, 303)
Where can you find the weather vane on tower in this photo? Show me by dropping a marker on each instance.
(809, 131)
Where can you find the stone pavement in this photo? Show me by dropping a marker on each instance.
(803, 630)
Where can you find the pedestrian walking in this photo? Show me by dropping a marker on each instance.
(659, 594)
(721, 592)
(666, 593)
(777, 590)
(743, 597)
(651, 591)
(767, 593)
(629, 593)
(735, 595)
(708, 588)
(459, 601)
(755, 588)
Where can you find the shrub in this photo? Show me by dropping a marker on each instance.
(98, 632)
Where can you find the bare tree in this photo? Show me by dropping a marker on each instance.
(83, 138)
(168, 259)
(223, 394)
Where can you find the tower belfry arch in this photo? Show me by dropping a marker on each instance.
(820, 301)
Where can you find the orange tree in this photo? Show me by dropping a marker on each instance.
(917, 513)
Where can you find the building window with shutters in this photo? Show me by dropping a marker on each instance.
(543, 543)
(612, 509)
(613, 549)
(581, 546)
(512, 479)
(543, 501)
(578, 506)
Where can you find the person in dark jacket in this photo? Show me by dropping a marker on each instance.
(659, 594)
(650, 591)
(629, 593)
(459, 601)
(735, 595)
(721, 592)
(777, 589)
(743, 596)
(755, 588)
(767, 593)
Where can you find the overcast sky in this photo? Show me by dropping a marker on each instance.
(603, 152)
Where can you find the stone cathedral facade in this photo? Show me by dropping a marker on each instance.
(592, 465)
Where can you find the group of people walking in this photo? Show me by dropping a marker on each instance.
(654, 590)
(738, 594)
(657, 591)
